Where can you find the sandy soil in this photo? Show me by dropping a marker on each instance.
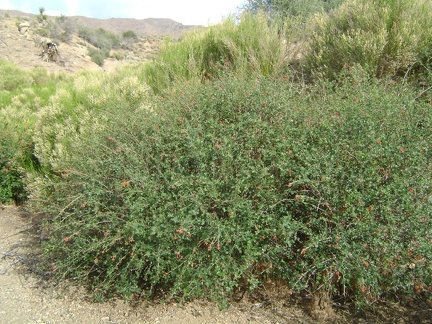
(20, 48)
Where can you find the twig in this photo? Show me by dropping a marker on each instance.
(422, 93)
(354, 157)
(66, 207)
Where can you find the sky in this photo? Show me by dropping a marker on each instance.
(187, 12)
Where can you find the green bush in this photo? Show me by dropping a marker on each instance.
(102, 40)
(78, 107)
(11, 184)
(99, 38)
(97, 56)
(43, 32)
(118, 55)
(227, 184)
(12, 77)
(130, 34)
(40, 76)
(18, 112)
(386, 37)
(11, 177)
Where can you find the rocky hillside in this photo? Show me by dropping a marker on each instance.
(19, 30)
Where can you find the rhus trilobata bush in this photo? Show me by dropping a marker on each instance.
(228, 184)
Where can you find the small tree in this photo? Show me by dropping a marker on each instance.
(42, 16)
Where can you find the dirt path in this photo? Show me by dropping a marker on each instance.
(22, 300)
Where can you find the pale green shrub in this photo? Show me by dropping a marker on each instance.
(355, 34)
(80, 108)
(16, 146)
(386, 37)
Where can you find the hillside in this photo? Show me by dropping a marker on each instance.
(20, 47)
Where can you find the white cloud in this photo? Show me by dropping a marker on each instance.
(188, 12)
(6, 5)
(54, 13)
(72, 8)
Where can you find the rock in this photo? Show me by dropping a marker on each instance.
(24, 28)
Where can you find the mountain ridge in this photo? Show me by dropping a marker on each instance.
(142, 27)
(19, 45)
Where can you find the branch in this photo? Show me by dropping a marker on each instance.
(422, 93)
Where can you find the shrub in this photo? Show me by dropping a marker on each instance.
(42, 32)
(129, 38)
(40, 76)
(130, 34)
(17, 117)
(385, 37)
(99, 38)
(97, 56)
(119, 55)
(233, 182)
(293, 7)
(17, 120)
(11, 184)
(13, 78)
(102, 40)
(78, 107)
(11, 178)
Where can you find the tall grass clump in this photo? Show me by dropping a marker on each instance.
(253, 45)
(386, 37)
(228, 184)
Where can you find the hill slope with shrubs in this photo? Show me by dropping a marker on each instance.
(241, 154)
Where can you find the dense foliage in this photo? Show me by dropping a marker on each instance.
(269, 148)
(301, 8)
(388, 38)
(240, 180)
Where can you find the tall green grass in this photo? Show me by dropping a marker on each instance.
(252, 45)
(386, 38)
(12, 77)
